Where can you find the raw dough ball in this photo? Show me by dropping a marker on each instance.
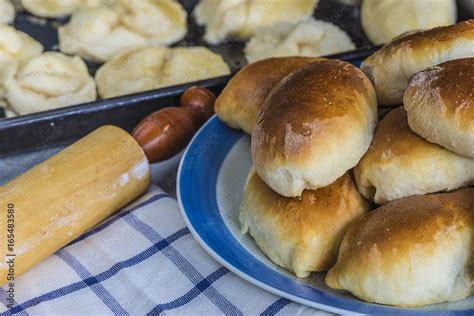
(57, 8)
(241, 18)
(99, 33)
(189, 64)
(383, 20)
(15, 46)
(148, 68)
(161, 22)
(130, 72)
(48, 81)
(7, 12)
(307, 38)
(7, 109)
(96, 34)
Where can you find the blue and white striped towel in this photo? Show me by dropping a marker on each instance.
(142, 261)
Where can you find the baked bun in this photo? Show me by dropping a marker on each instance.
(225, 18)
(410, 252)
(440, 105)
(301, 235)
(242, 98)
(7, 12)
(392, 66)
(400, 163)
(383, 20)
(314, 126)
(99, 33)
(48, 81)
(308, 37)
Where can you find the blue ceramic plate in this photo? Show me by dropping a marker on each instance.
(211, 179)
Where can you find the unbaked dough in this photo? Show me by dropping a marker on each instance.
(383, 20)
(7, 109)
(15, 46)
(99, 33)
(132, 71)
(148, 68)
(58, 8)
(48, 81)
(309, 37)
(241, 18)
(188, 64)
(7, 12)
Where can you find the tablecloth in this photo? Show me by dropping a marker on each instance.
(142, 261)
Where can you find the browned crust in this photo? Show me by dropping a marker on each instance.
(315, 96)
(396, 227)
(394, 134)
(430, 38)
(246, 91)
(448, 88)
(324, 212)
(414, 51)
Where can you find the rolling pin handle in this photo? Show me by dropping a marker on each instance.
(166, 132)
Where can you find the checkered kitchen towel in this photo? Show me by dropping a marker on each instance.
(142, 261)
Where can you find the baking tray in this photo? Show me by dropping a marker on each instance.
(62, 126)
(344, 15)
(40, 131)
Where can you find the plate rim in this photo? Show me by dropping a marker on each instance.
(315, 304)
(227, 264)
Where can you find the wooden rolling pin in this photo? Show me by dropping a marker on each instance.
(58, 200)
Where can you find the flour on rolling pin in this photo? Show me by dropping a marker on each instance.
(139, 171)
(71, 192)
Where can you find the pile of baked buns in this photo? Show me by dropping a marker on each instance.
(383, 205)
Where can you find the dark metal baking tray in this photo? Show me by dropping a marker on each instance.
(58, 127)
(62, 126)
(344, 15)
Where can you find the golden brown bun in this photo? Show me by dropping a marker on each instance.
(315, 125)
(400, 163)
(410, 252)
(391, 66)
(440, 105)
(242, 98)
(302, 235)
